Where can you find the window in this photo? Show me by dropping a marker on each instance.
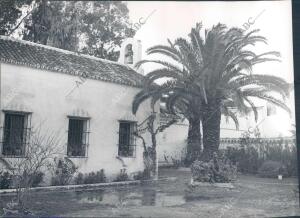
(126, 139)
(78, 135)
(15, 134)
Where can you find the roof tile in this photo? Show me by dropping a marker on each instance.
(45, 57)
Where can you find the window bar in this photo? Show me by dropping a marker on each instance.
(134, 138)
(88, 138)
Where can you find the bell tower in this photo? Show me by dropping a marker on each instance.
(131, 53)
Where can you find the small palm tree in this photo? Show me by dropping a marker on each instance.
(209, 77)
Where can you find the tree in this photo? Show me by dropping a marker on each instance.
(96, 28)
(186, 107)
(211, 76)
(228, 80)
(39, 22)
(10, 12)
(183, 94)
(105, 26)
(100, 26)
(150, 154)
(41, 150)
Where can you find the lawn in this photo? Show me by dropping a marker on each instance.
(252, 197)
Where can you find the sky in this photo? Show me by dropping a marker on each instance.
(175, 19)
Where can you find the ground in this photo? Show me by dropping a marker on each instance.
(252, 197)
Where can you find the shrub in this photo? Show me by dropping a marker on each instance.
(246, 158)
(100, 176)
(5, 180)
(142, 175)
(64, 173)
(272, 169)
(254, 152)
(218, 170)
(37, 178)
(91, 178)
(79, 179)
(122, 176)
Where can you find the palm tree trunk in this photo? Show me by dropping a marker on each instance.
(211, 120)
(193, 140)
(154, 157)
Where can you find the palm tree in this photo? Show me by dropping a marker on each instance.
(183, 94)
(209, 77)
(228, 80)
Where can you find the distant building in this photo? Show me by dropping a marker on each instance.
(273, 123)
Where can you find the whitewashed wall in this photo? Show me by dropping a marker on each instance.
(173, 140)
(45, 94)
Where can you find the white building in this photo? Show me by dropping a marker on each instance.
(272, 123)
(85, 100)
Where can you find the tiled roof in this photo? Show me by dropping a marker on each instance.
(34, 55)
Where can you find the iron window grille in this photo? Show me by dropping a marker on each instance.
(16, 133)
(127, 140)
(78, 137)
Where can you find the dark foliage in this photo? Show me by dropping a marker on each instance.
(142, 175)
(64, 173)
(10, 12)
(104, 24)
(122, 176)
(219, 169)
(251, 155)
(37, 178)
(5, 180)
(91, 178)
(79, 179)
(272, 169)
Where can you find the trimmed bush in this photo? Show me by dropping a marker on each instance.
(272, 169)
(217, 170)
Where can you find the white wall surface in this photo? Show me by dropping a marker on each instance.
(47, 95)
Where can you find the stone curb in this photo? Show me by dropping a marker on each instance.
(74, 187)
(87, 186)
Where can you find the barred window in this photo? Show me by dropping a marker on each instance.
(15, 133)
(127, 139)
(78, 137)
